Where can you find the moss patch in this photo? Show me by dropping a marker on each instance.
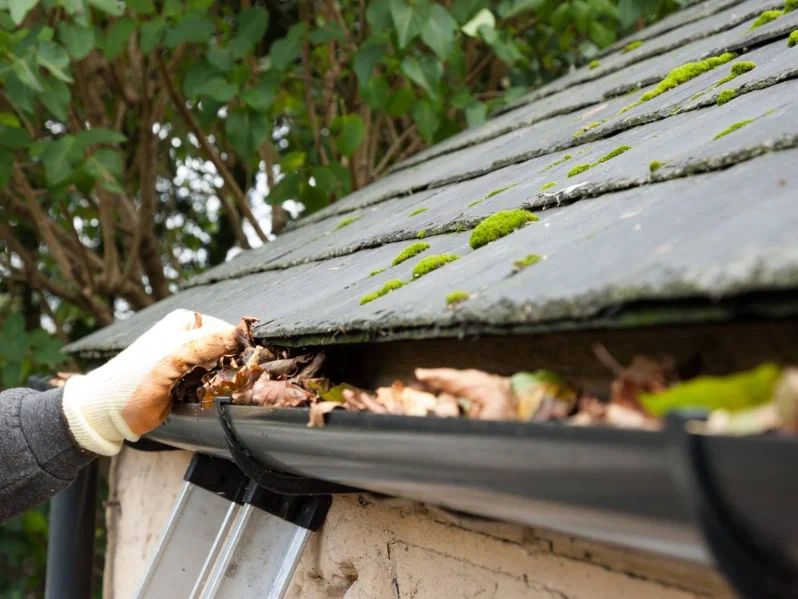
(734, 128)
(616, 152)
(565, 158)
(594, 64)
(681, 75)
(727, 95)
(346, 222)
(579, 168)
(737, 69)
(587, 128)
(765, 18)
(793, 39)
(790, 5)
(409, 252)
(456, 297)
(498, 225)
(631, 46)
(431, 263)
(419, 211)
(521, 264)
(391, 285)
(655, 166)
(698, 95)
(496, 192)
(422, 234)
(374, 273)
(548, 185)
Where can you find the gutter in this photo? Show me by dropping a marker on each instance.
(717, 499)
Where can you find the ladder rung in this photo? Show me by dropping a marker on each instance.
(190, 533)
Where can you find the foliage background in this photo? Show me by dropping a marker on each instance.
(144, 141)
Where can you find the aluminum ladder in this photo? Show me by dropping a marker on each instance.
(228, 536)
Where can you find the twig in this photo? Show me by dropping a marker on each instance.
(310, 106)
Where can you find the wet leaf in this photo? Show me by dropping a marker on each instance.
(491, 395)
(543, 396)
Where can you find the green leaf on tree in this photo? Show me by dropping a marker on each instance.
(375, 93)
(46, 348)
(261, 95)
(331, 31)
(438, 33)
(220, 57)
(463, 10)
(118, 36)
(25, 73)
(13, 137)
(55, 96)
(58, 157)
(292, 161)
(348, 133)
(196, 77)
(152, 33)
(217, 88)
(6, 166)
(251, 26)
(109, 6)
(285, 51)
(19, 8)
(427, 119)
(476, 114)
(483, 18)
(510, 8)
(409, 18)
(93, 137)
(246, 131)
(425, 72)
(196, 30)
(78, 41)
(55, 59)
(312, 198)
(366, 59)
(400, 102)
(172, 9)
(144, 7)
(21, 95)
(378, 15)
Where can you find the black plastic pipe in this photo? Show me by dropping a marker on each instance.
(70, 544)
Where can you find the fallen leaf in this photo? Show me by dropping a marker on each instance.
(447, 406)
(492, 394)
(785, 396)
(318, 410)
(542, 396)
(417, 403)
(279, 393)
(644, 375)
(286, 367)
(734, 392)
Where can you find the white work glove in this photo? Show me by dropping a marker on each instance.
(130, 395)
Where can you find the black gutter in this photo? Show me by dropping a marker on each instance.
(661, 492)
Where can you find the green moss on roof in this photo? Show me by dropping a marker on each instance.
(765, 18)
(527, 261)
(498, 225)
(698, 95)
(346, 222)
(594, 64)
(422, 234)
(374, 273)
(418, 211)
(560, 161)
(391, 285)
(737, 69)
(579, 168)
(632, 46)
(587, 128)
(456, 297)
(727, 95)
(616, 152)
(498, 191)
(733, 128)
(683, 74)
(790, 5)
(655, 166)
(793, 40)
(548, 185)
(430, 263)
(410, 251)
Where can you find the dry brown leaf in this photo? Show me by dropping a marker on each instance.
(417, 403)
(643, 375)
(447, 406)
(313, 368)
(355, 401)
(491, 396)
(278, 393)
(287, 367)
(388, 397)
(318, 410)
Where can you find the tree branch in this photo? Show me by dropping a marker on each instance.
(221, 168)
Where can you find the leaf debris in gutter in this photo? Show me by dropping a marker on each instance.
(763, 400)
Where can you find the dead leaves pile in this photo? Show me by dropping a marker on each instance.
(762, 400)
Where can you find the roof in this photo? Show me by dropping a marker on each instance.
(622, 244)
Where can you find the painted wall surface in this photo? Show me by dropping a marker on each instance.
(395, 549)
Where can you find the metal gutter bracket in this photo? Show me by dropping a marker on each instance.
(755, 571)
(275, 481)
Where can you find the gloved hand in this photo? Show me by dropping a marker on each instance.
(130, 395)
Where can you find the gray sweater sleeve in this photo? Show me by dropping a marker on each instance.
(38, 456)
